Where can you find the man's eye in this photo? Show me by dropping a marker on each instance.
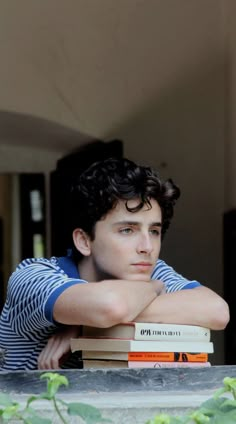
(155, 232)
(125, 230)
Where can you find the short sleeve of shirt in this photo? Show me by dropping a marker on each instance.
(172, 280)
(32, 292)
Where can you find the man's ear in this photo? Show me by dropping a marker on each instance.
(82, 241)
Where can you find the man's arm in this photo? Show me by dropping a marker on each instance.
(198, 306)
(105, 303)
(111, 302)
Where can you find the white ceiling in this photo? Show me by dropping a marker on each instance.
(77, 68)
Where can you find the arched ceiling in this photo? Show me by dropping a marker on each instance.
(89, 65)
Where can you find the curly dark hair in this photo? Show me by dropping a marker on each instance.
(103, 184)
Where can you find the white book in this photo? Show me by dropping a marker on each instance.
(151, 331)
(142, 364)
(126, 345)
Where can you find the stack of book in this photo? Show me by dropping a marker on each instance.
(144, 345)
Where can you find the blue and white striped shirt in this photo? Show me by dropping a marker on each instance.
(26, 322)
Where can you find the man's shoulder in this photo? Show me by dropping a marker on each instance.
(172, 279)
(45, 270)
(160, 264)
(44, 262)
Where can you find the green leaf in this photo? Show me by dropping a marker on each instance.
(88, 413)
(55, 378)
(160, 419)
(168, 419)
(219, 410)
(54, 381)
(32, 399)
(199, 418)
(212, 406)
(10, 411)
(229, 386)
(38, 420)
(224, 418)
(231, 403)
(6, 400)
(45, 396)
(230, 383)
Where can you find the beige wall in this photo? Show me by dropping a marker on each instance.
(230, 141)
(5, 214)
(152, 73)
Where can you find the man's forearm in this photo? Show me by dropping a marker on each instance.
(199, 306)
(106, 303)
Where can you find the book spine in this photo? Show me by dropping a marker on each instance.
(104, 364)
(101, 355)
(141, 331)
(93, 363)
(167, 332)
(151, 364)
(168, 356)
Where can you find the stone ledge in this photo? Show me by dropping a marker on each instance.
(122, 380)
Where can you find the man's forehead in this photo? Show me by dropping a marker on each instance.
(132, 203)
(120, 214)
(120, 211)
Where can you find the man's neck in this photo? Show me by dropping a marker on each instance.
(86, 270)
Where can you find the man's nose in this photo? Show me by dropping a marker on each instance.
(145, 244)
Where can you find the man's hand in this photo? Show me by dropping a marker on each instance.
(199, 306)
(57, 349)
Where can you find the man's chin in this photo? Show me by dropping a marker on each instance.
(129, 277)
(138, 277)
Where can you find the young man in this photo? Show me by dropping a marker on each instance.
(119, 212)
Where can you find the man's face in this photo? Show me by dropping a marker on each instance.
(127, 244)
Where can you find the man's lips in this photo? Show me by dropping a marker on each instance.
(142, 265)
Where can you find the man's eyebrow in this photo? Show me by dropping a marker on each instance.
(152, 224)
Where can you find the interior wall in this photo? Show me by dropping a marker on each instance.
(19, 158)
(5, 214)
(230, 141)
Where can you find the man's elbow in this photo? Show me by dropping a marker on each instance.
(114, 312)
(220, 315)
